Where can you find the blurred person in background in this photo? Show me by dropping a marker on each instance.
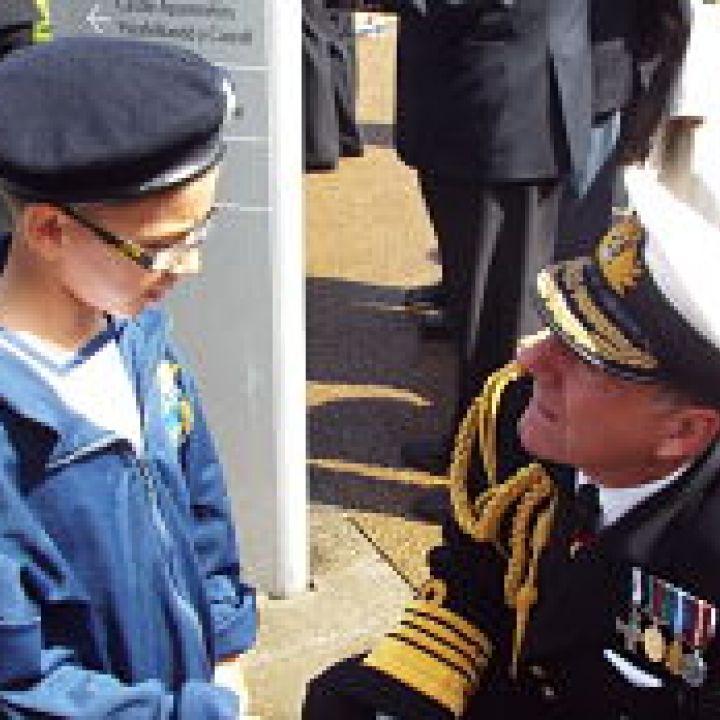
(329, 87)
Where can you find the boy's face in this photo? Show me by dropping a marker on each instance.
(100, 276)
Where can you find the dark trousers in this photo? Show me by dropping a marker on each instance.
(343, 57)
(329, 86)
(493, 238)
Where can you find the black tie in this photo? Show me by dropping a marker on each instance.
(585, 517)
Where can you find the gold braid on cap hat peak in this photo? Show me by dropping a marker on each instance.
(530, 495)
(598, 335)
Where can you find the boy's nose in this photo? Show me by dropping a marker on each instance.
(185, 261)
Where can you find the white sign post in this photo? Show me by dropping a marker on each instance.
(242, 321)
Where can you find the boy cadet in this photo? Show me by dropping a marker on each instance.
(603, 603)
(120, 588)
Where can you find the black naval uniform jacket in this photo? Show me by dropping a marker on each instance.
(494, 90)
(450, 655)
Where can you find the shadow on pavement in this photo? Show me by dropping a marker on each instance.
(373, 384)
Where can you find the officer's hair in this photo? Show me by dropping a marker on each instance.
(12, 204)
(680, 397)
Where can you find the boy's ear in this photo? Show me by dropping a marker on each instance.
(688, 433)
(41, 226)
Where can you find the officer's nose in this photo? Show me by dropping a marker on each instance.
(541, 353)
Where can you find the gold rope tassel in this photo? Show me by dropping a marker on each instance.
(479, 421)
(537, 495)
(527, 595)
(530, 493)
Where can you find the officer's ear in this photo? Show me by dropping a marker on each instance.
(687, 433)
(42, 226)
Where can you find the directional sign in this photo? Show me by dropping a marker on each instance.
(223, 31)
(242, 322)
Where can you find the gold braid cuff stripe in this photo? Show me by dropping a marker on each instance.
(441, 651)
(439, 633)
(423, 673)
(460, 627)
(435, 652)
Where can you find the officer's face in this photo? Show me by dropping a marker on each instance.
(582, 416)
(99, 276)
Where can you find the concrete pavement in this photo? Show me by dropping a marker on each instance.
(372, 384)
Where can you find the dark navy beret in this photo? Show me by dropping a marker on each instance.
(88, 119)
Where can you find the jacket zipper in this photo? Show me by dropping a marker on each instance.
(166, 543)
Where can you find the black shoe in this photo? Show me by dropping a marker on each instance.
(317, 166)
(433, 505)
(351, 149)
(431, 456)
(437, 326)
(426, 296)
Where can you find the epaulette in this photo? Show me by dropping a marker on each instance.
(516, 515)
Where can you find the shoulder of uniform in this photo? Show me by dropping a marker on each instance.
(491, 423)
(516, 510)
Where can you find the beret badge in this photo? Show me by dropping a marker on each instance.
(617, 254)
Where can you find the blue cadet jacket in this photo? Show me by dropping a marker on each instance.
(119, 577)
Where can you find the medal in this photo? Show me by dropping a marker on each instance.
(694, 669)
(653, 640)
(657, 603)
(688, 613)
(692, 622)
(703, 618)
(708, 620)
(654, 643)
(631, 630)
(674, 657)
(636, 588)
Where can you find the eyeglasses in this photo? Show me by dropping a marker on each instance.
(165, 259)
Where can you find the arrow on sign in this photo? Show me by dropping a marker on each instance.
(95, 20)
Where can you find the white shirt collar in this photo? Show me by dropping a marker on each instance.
(615, 502)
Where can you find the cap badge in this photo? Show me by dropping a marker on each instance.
(618, 254)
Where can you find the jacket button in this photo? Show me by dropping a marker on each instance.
(537, 671)
(548, 692)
